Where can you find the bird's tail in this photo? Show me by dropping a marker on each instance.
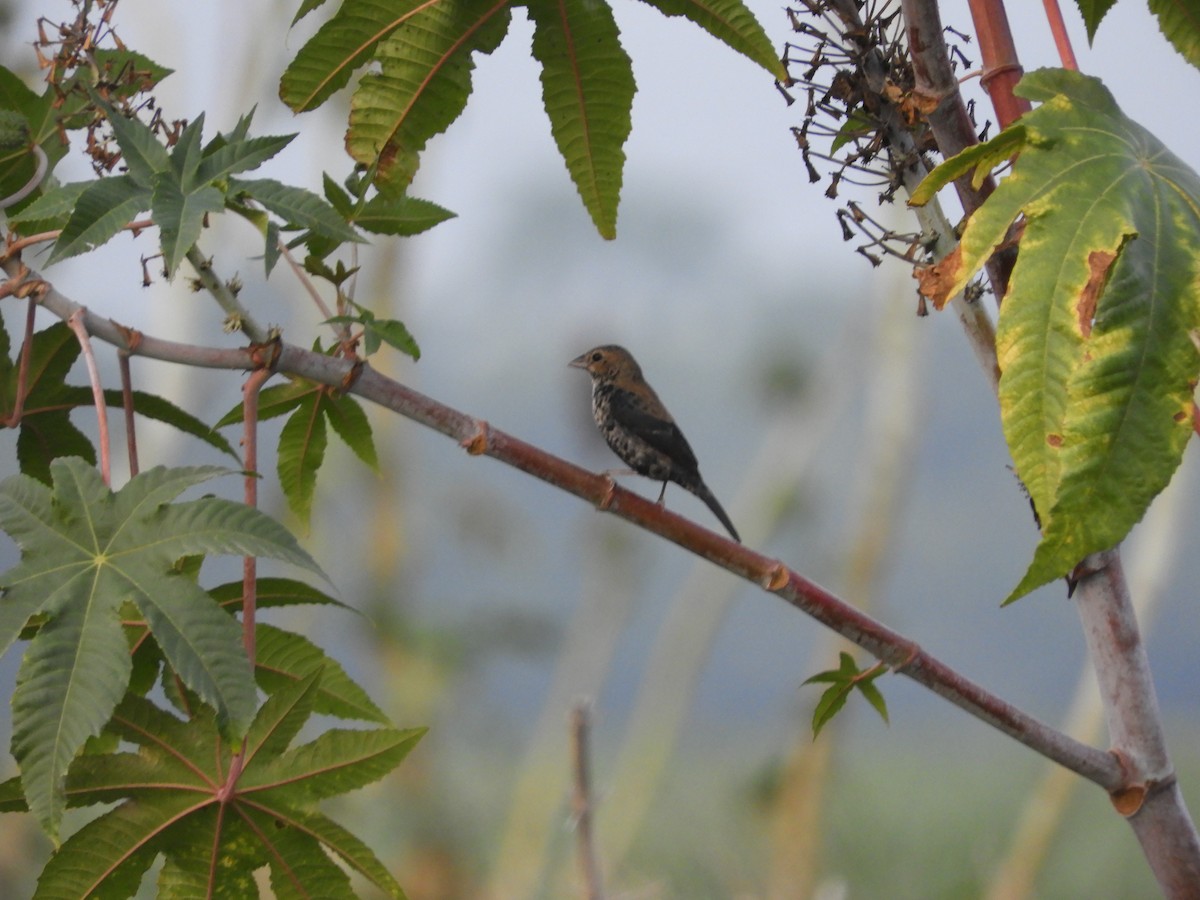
(700, 489)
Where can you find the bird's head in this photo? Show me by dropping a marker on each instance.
(608, 363)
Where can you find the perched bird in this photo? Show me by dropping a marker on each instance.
(638, 427)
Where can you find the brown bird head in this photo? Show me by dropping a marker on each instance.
(608, 363)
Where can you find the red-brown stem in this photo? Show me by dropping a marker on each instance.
(18, 409)
(76, 322)
(1062, 40)
(250, 442)
(15, 247)
(127, 405)
(1001, 68)
(479, 438)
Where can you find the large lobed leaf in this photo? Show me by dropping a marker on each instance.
(174, 800)
(84, 552)
(423, 54)
(1094, 339)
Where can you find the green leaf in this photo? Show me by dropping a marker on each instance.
(102, 210)
(1093, 340)
(85, 551)
(273, 401)
(297, 207)
(52, 210)
(346, 416)
(273, 592)
(404, 215)
(395, 334)
(301, 452)
(380, 331)
(842, 681)
(587, 89)
(285, 658)
(1093, 11)
(174, 799)
(232, 156)
(340, 46)
(422, 85)
(40, 114)
(141, 151)
(1180, 24)
(350, 849)
(179, 213)
(187, 154)
(338, 761)
(118, 65)
(731, 22)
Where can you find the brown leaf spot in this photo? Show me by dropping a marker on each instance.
(1099, 264)
(935, 281)
(1054, 440)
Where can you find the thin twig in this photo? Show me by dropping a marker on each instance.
(76, 322)
(15, 247)
(225, 297)
(14, 418)
(250, 442)
(581, 804)
(127, 405)
(1062, 40)
(305, 281)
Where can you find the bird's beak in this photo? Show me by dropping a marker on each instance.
(579, 362)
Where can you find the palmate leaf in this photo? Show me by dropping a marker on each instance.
(1094, 338)
(423, 53)
(172, 806)
(84, 552)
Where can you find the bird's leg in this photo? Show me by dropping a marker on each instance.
(662, 494)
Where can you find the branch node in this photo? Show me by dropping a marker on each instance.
(775, 578)
(1129, 799)
(132, 338)
(352, 375)
(266, 355)
(914, 650)
(610, 493)
(476, 443)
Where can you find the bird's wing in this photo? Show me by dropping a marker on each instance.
(629, 411)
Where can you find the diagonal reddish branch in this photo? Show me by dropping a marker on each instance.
(479, 438)
(1001, 68)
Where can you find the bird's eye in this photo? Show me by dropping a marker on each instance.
(596, 357)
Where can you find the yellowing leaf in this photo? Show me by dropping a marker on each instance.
(1093, 339)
